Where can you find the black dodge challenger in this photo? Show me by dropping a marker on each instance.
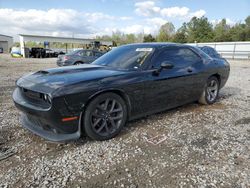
(129, 82)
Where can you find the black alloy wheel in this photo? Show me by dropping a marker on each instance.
(105, 116)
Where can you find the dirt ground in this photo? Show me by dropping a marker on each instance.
(203, 146)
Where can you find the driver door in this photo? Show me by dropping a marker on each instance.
(171, 87)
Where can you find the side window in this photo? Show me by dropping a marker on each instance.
(89, 53)
(214, 53)
(189, 56)
(165, 55)
(82, 53)
(97, 54)
(180, 57)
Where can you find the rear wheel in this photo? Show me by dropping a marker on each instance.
(105, 116)
(210, 92)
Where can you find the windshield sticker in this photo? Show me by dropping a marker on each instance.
(144, 49)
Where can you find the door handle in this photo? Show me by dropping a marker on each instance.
(190, 70)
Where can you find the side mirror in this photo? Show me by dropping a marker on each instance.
(166, 65)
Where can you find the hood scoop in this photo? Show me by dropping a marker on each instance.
(42, 72)
(69, 69)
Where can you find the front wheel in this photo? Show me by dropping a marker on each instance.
(105, 116)
(78, 63)
(210, 92)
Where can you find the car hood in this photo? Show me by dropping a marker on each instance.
(48, 80)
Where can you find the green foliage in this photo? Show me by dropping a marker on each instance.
(166, 32)
(238, 32)
(180, 37)
(130, 38)
(149, 38)
(247, 20)
(247, 29)
(31, 44)
(200, 30)
(197, 29)
(121, 38)
(222, 31)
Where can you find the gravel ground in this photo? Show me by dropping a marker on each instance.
(203, 146)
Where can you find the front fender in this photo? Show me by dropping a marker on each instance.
(119, 92)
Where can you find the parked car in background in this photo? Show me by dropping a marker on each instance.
(15, 52)
(210, 51)
(1, 50)
(126, 83)
(60, 52)
(50, 53)
(37, 52)
(78, 57)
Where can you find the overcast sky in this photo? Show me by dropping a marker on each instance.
(82, 18)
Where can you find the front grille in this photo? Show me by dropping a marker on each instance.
(59, 63)
(35, 98)
(37, 122)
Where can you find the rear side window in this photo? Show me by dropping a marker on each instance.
(89, 53)
(211, 52)
(179, 57)
(82, 53)
(85, 53)
(97, 54)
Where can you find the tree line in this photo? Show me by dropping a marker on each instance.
(196, 30)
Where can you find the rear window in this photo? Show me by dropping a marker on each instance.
(210, 51)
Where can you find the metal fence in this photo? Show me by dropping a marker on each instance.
(230, 50)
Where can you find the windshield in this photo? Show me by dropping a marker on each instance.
(125, 57)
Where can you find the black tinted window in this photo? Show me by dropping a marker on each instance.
(97, 54)
(125, 57)
(81, 53)
(89, 53)
(180, 57)
(85, 53)
(210, 51)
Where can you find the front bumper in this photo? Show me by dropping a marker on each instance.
(59, 63)
(47, 122)
(42, 130)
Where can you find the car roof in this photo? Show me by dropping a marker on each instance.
(157, 44)
(208, 47)
(88, 50)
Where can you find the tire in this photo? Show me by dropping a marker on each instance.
(210, 92)
(78, 63)
(105, 116)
